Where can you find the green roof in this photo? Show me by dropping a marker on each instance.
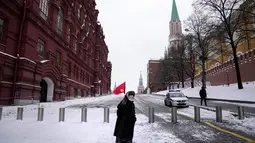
(175, 15)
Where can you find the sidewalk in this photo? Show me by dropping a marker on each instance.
(223, 93)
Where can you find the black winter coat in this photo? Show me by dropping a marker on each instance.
(124, 127)
(202, 93)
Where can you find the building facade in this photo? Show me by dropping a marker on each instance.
(51, 50)
(153, 80)
(140, 87)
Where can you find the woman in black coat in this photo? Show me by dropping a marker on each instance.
(124, 128)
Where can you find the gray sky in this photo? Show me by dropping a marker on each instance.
(136, 31)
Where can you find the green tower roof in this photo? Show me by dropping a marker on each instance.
(175, 15)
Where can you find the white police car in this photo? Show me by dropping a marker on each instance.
(176, 98)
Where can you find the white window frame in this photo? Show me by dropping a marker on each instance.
(43, 6)
(2, 30)
(60, 21)
(40, 47)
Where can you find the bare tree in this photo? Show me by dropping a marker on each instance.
(227, 19)
(189, 58)
(201, 28)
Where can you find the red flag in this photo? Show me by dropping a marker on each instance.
(120, 89)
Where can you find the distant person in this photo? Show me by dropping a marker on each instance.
(203, 95)
(124, 127)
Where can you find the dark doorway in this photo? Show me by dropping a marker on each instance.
(75, 92)
(43, 92)
(82, 93)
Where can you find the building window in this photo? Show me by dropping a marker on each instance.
(68, 35)
(58, 58)
(253, 20)
(249, 53)
(69, 69)
(79, 12)
(1, 30)
(40, 48)
(60, 21)
(43, 6)
(75, 46)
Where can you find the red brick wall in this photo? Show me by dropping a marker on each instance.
(226, 73)
(90, 58)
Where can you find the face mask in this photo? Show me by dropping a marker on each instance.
(131, 98)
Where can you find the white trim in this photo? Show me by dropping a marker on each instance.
(64, 75)
(23, 58)
(27, 84)
(78, 82)
(3, 53)
(6, 82)
(59, 90)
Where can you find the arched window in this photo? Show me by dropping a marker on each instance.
(239, 54)
(230, 57)
(68, 34)
(60, 21)
(43, 6)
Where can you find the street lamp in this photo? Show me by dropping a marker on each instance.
(99, 87)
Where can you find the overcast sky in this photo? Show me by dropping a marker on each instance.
(136, 31)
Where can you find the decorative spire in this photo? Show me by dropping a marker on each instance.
(175, 15)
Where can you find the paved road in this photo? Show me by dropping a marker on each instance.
(186, 129)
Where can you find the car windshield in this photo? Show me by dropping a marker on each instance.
(176, 94)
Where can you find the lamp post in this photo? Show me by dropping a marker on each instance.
(99, 87)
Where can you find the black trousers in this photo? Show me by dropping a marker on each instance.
(203, 98)
(119, 140)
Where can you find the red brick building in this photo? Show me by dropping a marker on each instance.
(153, 80)
(51, 50)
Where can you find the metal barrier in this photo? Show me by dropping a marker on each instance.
(151, 115)
(84, 114)
(1, 111)
(106, 114)
(20, 113)
(241, 112)
(197, 114)
(174, 114)
(218, 114)
(61, 114)
(40, 114)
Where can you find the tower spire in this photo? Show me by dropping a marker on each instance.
(175, 15)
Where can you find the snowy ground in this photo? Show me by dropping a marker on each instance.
(247, 125)
(72, 130)
(223, 92)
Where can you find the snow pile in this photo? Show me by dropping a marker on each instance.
(12, 110)
(222, 92)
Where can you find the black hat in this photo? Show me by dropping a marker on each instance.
(130, 93)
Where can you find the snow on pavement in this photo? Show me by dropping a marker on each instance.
(72, 130)
(247, 125)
